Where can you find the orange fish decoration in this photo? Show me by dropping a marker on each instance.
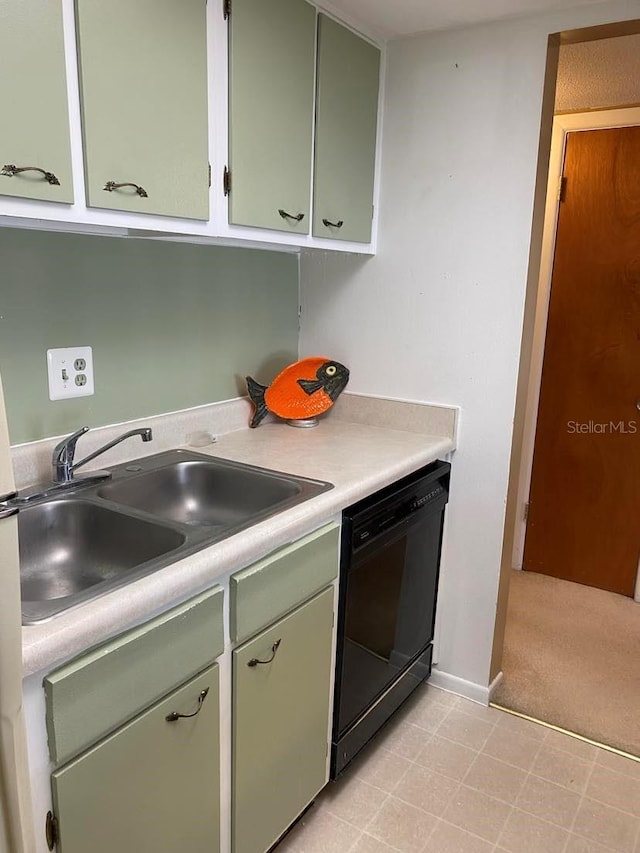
(302, 390)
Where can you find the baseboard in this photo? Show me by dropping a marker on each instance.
(497, 681)
(468, 689)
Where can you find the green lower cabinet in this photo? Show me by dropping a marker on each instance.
(153, 785)
(281, 688)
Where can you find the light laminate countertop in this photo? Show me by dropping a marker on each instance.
(357, 458)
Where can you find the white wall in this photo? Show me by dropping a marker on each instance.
(437, 314)
(596, 74)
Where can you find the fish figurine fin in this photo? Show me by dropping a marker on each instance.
(256, 392)
(310, 386)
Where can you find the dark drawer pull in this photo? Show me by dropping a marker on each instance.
(174, 715)
(9, 170)
(274, 649)
(110, 186)
(298, 216)
(329, 224)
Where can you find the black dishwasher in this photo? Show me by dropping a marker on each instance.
(390, 561)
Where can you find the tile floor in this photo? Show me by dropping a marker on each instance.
(450, 776)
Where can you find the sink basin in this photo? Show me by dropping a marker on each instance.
(68, 548)
(208, 493)
(87, 540)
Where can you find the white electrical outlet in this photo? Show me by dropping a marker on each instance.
(70, 371)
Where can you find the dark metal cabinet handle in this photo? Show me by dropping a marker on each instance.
(51, 830)
(7, 512)
(298, 216)
(110, 186)
(174, 715)
(329, 224)
(9, 170)
(274, 649)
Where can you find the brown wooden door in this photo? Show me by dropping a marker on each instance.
(584, 505)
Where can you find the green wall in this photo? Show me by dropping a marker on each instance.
(171, 325)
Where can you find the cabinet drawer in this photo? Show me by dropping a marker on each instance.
(97, 692)
(152, 785)
(262, 593)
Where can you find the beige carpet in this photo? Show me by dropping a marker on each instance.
(572, 658)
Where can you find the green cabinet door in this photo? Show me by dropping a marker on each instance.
(346, 122)
(154, 785)
(143, 80)
(34, 125)
(271, 73)
(280, 723)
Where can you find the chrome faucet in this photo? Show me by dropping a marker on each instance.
(63, 454)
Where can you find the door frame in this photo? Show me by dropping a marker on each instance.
(563, 124)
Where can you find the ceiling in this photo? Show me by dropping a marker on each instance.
(392, 18)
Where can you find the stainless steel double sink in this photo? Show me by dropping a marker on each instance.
(153, 511)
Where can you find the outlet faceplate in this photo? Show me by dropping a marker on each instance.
(70, 371)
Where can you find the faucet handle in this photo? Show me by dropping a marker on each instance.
(64, 451)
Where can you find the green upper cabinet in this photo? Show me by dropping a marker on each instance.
(346, 121)
(34, 128)
(143, 79)
(271, 79)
